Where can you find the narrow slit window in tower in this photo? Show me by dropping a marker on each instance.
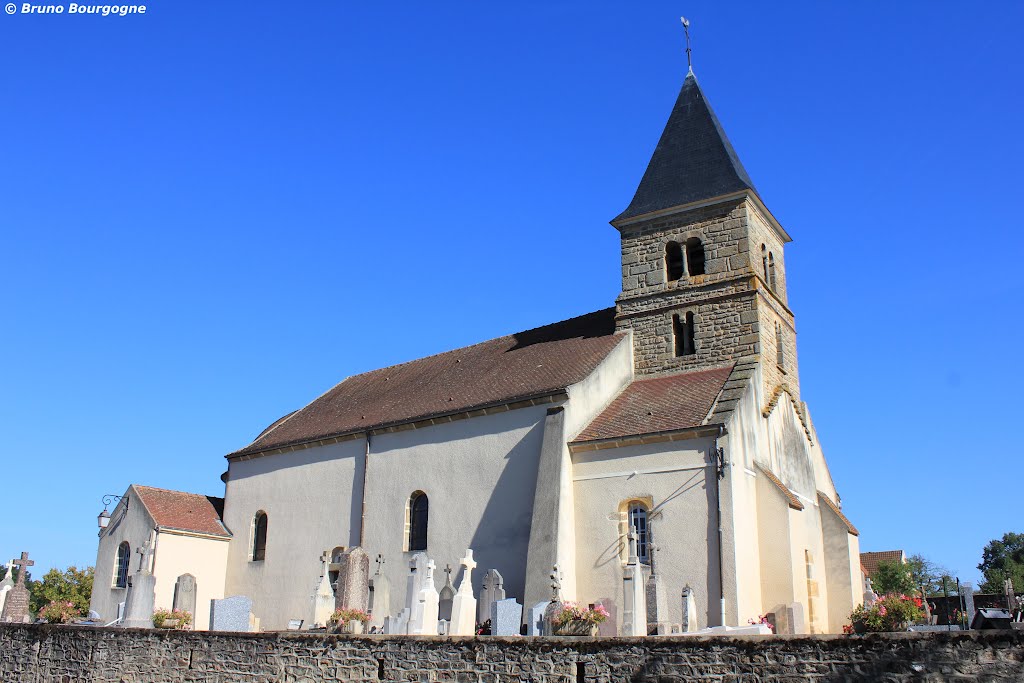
(764, 261)
(780, 355)
(682, 334)
(771, 271)
(694, 256)
(673, 261)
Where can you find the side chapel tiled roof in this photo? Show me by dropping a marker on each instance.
(185, 511)
(839, 513)
(870, 560)
(794, 501)
(513, 368)
(659, 404)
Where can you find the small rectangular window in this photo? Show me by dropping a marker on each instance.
(683, 334)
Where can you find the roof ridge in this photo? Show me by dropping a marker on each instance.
(187, 493)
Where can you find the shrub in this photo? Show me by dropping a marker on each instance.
(161, 616)
(343, 616)
(889, 613)
(57, 612)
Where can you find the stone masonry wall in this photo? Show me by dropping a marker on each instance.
(62, 654)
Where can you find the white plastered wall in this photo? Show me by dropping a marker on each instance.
(678, 482)
(203, 557)
(312, 498)
(133, 525)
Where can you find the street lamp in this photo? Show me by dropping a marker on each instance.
(103, 519)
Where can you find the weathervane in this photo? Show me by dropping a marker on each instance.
(686, 30)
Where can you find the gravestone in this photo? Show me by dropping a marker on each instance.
(609, 627)
(231, 614)
(443, 625)
(185, 594)
(657, 598)
(413, 585)
(1011, 598)
(446, 596)
(870, 597)
(634, 607)
(464, 604)
(967, 591)
(353, 580)
(323, 598)
(492, 591)
(6, 585)
(506, 617)
(689, 623)
(140, 601)
(16, 605)
(555, 606)
(535, 619)
(427, 604)
(381, 596)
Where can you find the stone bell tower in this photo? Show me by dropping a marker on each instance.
(703, 273)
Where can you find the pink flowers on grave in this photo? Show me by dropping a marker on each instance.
(574, 612)
(762, 619)
(59, 612)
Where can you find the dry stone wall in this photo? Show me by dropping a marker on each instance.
(61, 654)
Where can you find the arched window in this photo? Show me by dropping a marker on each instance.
(780, 356)
(259, 536)
(673, 261)
(683, 334)
(638, 523)
(771, 271)
(419, 509)
(124, 556)
(764, 261)
(694, 256)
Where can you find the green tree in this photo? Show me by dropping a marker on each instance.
(1003, 559)
(893, 576)
(71, 585)
(928, 574)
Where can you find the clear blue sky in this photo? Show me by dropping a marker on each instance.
(212, 213)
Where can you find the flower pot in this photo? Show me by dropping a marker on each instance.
(353, 627)
(169, 624)
(576, 628)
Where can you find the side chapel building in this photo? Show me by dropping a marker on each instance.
(676, 411)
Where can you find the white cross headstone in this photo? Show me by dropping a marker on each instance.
(464, 604)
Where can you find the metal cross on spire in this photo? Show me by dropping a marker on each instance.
(686, 30)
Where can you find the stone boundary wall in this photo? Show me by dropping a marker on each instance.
(69, 654)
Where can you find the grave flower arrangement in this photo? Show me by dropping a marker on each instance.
(574, 619)
(889, 613)
(177, 619)
(762, 619)
(59, 612)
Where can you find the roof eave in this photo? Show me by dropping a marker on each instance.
(620, 223)
(581, 446)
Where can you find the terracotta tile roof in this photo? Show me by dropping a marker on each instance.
(508, 369)
(185, 511)
(870, 560)
(839, 513)
(794, 501)
(660, 404)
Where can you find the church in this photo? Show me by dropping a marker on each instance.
(673, 417)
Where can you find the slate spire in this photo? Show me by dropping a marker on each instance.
(693, 161)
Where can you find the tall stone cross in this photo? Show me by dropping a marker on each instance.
(21, 564)
(146, 551)
(380, 562)
(469, 564)
(325, 559)
(556, 584)
(10, 569)
(447, 573)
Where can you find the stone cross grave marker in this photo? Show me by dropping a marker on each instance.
(141, 598)
(381, 607)
(6, 585)
(428, 604)
(464, 604)
(446, 596)
(323, 598)
(634, 611)
(16, 604)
